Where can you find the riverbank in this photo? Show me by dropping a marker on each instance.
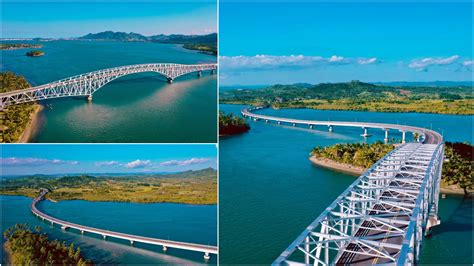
(32, 125)
(357, 171)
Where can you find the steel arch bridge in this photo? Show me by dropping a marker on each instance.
(88, 83)
(382, 216)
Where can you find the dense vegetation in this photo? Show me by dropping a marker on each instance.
(457, 168)
(229, 124)
(26, 247)
(35, 53)
(357, 154)
(358, 96)
(205, 43)
(192, 187)
(15, 46)
(14, 119)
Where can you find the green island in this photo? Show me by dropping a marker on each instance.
(189, 187)
(35, 53)
(16, 120)
(27, 247)
(16, 46)
(358, 96)
(230, 124)
(457, 175)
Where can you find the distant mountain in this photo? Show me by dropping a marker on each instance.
(437, 83)
(116, 36)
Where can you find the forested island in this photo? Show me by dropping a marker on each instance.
(229, 124)
(27, 247)
(356, 158)
(358, 96)
(16, 46)
(204, 43)
(190, 187)
(35, 53)
(16, 120)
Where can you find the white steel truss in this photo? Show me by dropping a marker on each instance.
(381, 217)
(86, 84)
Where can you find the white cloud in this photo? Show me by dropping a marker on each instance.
(468, 63)
(13, 161)
(279, 61)
(137, 164)
(366, 61)
(106, 163)
(425, 63)
(185, 162)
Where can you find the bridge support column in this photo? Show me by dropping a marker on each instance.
(170, 80)
(266, 120)
(89, 98)
(63, 227)
(206, 256)
(386, 136)
(311, 126)
(294, 124)
(330, 128)
(279, 122)
(366, 134)
(131, 242)
(82, 232)
(403, 137)
(165, 248)
(212, 71)
(199, 73)
(104, 237)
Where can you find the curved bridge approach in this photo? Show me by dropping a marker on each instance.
(88, 83)
(207, 250)
(382, 216)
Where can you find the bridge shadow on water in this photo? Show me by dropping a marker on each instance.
(460, 220)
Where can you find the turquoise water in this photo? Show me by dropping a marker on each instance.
(135, 108)
(181, 222)
(270, 192)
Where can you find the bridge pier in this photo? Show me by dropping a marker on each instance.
(212, 71)
(104, 237)
(165, 248)
(89, 98)
(131, 242)
(294, 124)
(170, 80)
(311, 126)
(82, 232)
(330, 128)
(403, 136)
(386, 135)
(206, 256)
(199, 73)
(366, 134)
(64, 227)
(279, 122)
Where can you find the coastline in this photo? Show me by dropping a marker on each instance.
(7, 255)
(357, 171)
(32, 125)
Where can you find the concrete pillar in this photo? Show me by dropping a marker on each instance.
(279, 122)
(131, 242)
(104, 236)
(294, 124)
(199, 73)
(403, 136)
(266, 120)
(82, 232)
(206, 256)
(212, 71)
(89, 98)
(311, 126)
(170, 80)
(366, 134)
(165, 248)
(330, 128)
(386, 136)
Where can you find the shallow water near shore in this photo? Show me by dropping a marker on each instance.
(280, 192)
(180, 222)
(135, 108)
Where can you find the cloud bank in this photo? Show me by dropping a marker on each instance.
(185, 162)
(425, 63)
(137, 164)
(106, 163)
(12, 161)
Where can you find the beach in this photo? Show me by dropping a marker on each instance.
(32, 125)
(357, 171)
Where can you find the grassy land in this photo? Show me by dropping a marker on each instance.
(14, 119)
(229, 124)
(358, 96)
(192, 187)
(15, 46)
(457, 172)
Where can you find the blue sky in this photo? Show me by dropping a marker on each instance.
(103, 158)
(74, 19)
(275, 42)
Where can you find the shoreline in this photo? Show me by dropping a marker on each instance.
(32, 126)
(357, 171)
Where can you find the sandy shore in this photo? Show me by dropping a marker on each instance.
(357, 171)
(32, 125)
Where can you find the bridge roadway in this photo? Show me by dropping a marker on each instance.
(206, 249)
(88, 83)
(429, 136)
(381, 217)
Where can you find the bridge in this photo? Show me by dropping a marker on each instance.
(206, 249)
(88, 83)
(382, 216)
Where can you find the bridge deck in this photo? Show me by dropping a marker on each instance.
(106, 233)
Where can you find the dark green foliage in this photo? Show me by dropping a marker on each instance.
(357, 154)
(15, 46)
(33, 248)
(458, 166)
(230, 124)
(35, 53)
